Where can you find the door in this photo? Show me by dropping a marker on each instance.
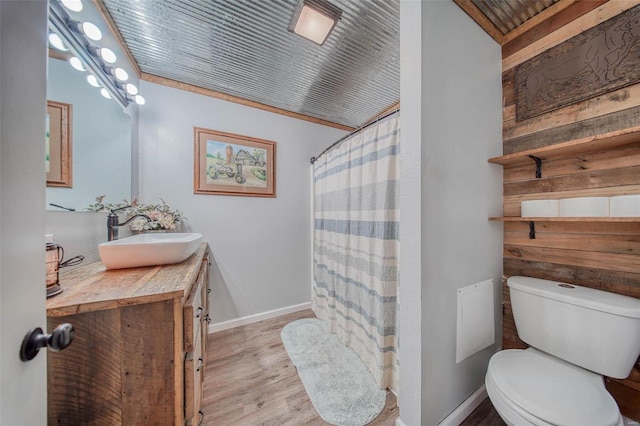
(23, 35)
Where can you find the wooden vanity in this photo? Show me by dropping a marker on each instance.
(139, 352)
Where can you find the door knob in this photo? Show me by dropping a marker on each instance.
(35, 340)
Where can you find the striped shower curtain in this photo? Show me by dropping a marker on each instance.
(356, 244)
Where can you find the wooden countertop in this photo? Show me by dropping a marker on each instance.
(93, 288)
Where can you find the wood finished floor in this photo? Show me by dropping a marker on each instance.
(250, 380)
(484, 415)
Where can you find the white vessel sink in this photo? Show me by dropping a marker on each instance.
(149, 250)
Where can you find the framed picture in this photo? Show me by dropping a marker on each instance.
(58, 140)
(229, 164)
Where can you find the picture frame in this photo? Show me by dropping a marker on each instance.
(59, 144)
(231, 164)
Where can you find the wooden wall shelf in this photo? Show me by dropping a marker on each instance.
(564, 219)
(532, 221)
(606, 141)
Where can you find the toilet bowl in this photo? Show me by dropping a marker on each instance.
(529, 387)
(576, 335)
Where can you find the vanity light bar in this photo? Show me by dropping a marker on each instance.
(58, 18)
(57, 42)
(88, 29)
(105, 93)
(121, 74)
(137, 99)
(93, 80)
(72, 5)
(77, 64)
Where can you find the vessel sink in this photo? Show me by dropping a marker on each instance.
(149, 250)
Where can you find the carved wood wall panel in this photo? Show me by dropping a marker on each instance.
(599, 60)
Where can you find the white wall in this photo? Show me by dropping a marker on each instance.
(458, 129)
(261, 246)
(410, 290)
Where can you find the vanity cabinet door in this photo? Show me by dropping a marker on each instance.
(195, 326)
(193, 374)
(194, 312)
(206, 319)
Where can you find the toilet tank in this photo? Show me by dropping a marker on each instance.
(594, 329)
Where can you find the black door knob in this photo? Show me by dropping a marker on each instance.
(35, 340)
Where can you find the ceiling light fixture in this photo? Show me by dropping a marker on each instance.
(314, 19)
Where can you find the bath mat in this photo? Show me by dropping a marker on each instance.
(339, 385)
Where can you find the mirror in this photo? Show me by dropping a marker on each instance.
(101, 141)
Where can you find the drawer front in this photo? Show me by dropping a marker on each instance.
(193, 374)
(194, 313)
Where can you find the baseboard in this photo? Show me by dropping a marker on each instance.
(226, 325)
(462, 412)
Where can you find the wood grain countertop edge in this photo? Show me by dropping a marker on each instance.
(92, 288)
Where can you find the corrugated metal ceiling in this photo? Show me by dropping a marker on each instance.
(506, 15)
(243, 48)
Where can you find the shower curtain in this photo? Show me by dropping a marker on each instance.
(356, 244)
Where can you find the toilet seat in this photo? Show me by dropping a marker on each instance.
(510, 412)
(547, 390)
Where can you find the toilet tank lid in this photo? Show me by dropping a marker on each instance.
(577, 295)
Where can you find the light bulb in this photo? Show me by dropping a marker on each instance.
(73, 5)
(91, 30)
(56, 42)
(121, 74)
(139, 100)
(131, 89)
(104, 93)
(107, 54)
(75, 63)
(93, 80)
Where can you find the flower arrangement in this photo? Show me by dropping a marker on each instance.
(101, 206)
(161, 216)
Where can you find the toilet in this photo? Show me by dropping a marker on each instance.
(576, 336)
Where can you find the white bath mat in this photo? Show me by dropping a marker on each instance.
(339, 385)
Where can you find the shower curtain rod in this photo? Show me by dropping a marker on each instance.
(353, 132)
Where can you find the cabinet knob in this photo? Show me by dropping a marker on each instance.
(200, 364)
(199, 312)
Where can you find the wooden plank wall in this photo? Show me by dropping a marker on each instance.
(598, 255)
